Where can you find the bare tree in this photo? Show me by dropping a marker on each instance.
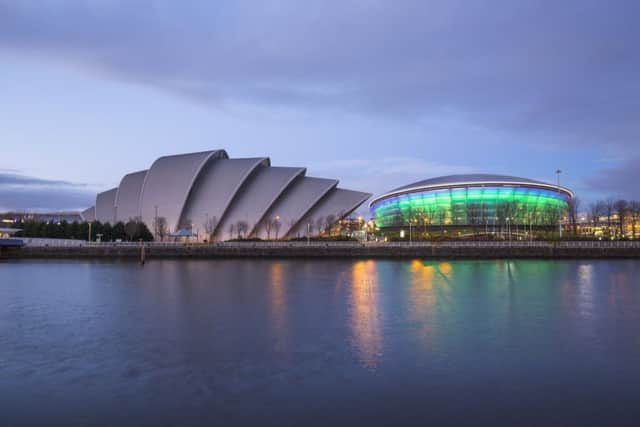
(276, 226)
(268, 226)
(622, 207)
(232, 227)
(596, 211)
(634, 215)
(609, 210)
(330, 220)
(242, 227)
(320, 224)
(573, 210)
(210, 225)
(160, 227)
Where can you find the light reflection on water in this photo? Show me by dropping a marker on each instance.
(326, 341)
(365, 315)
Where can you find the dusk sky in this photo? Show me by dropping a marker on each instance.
(375, 93)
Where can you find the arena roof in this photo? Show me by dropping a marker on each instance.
(468, 179)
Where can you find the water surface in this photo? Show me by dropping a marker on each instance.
(322, 342)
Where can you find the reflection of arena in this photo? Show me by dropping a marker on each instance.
(464, 201)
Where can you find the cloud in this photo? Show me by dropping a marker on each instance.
(621, 181)
(379, 176)
(566, 69)
(28, 193)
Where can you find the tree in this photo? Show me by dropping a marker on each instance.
(609, 210)
(573, 211)
(231, 228)
(634, 214)
(210, 225)
(320, 224)
(74, 230)
(160, 227)
(107, 232)
(135, 230)
(131, 229)
(330, 220)
(276, 226)
(241, 228)
(144, 233)
(621, 206)
(596, 211)
(118, 231)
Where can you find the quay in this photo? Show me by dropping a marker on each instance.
(288, 249)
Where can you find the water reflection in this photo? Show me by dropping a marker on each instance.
(278, 306)
(365, 318)
(422, 299)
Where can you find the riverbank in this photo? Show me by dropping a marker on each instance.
(449, 250)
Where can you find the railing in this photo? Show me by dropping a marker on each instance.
(317, 244)
(41, 241)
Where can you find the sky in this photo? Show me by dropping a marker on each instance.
(377, 94)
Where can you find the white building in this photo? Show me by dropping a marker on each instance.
(208, 190)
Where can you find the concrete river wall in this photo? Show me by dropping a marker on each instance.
(449, 250)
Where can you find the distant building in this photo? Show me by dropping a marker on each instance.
(16, 217)
(215, 196)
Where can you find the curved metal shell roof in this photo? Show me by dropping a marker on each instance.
(128, 196)
(215, 188)
(106, 206)
(294, 203)
(338, 203)
(189, 189)
(469, 180)
(88, 214)
(168, 184)
(256, 196)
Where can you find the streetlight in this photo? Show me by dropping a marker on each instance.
(558, 172)
(155, 223)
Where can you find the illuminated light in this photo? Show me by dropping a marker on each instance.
(7, 221)
(538, 206)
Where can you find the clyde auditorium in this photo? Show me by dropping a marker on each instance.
(189, 190)
(472, 200)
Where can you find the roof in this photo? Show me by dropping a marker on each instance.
(469, 179)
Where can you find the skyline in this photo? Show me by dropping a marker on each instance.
(373, 95)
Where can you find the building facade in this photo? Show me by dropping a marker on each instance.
(216, 197)
(477, 200)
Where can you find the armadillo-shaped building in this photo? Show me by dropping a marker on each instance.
(209, 193)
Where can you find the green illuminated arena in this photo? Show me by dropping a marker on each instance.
(472, 201)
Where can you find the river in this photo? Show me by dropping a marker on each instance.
(320, 342)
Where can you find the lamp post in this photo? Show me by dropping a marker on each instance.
(558, 172)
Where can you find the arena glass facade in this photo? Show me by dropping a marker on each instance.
(472, 200)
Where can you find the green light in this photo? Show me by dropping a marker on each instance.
(469, 206)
